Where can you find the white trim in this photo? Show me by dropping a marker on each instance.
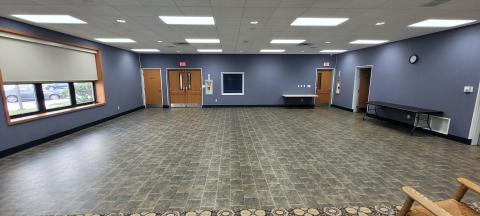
(356, 85)
(168, 89)
(243, 83)
(332, 81)
(474, 133)
(143, 84)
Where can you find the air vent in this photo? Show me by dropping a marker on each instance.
(181, 43)
(435, 3)
(305, 44)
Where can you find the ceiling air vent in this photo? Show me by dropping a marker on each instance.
(181, 43)
(435, 3)
(305, 44)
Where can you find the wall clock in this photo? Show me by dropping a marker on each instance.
(413, 59)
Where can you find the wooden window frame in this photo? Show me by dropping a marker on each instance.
(98, 85)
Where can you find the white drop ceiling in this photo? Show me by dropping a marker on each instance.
(233, 19)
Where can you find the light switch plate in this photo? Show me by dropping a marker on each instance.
(468, 89)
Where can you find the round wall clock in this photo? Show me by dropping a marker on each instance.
(413, 59)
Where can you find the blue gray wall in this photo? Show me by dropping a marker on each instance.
(449, 61)
(267, 77)
(122, 87)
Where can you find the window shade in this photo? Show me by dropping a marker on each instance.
(24, 59)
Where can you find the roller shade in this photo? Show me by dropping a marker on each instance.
(24, 59)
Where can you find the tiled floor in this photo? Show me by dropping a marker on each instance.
(180, 159)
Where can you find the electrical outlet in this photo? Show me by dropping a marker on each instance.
(118, 107)
(216, 100)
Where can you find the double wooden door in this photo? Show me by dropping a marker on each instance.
(324, 87)
(185, 87)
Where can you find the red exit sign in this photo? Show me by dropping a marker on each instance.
(183, 64)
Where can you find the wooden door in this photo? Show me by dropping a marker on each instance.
(324, 87)
(153, 87)
(364, 88)
(194, 87)
(176, 87)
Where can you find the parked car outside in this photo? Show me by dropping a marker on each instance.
(27, 92)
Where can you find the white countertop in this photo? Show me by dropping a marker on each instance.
(299, 95)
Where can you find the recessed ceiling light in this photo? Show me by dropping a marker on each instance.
(302, 51)
(160, 41)
(121, 21)
(440, 23)
(210, 50)
(178, 51)
(115, 40)
(187, 20)
(272, 50)
(332, 51)
(254, 22)
(145, 50)
(54, 19)
(328, 42)
(287, 41)
(380, 23)
(369, 41)
(196, 40)
(304, 21)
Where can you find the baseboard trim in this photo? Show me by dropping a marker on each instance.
(40, 141)
(341, 107)
(462, 140)
(227, 106)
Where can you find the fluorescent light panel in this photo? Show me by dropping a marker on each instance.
(369, 41)
(287, 41)
(272, 50)
(332, 51)
(197, 40)
(146, 50)
(210, 50)
(305, 21)
(54, 19)
(440, 23)
(115, 40)
(187, 20)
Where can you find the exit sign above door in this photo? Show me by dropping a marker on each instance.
(183, 64)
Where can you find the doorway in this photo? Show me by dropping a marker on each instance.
(152, 83)
(324, 87)
(361, 90)
(185, 87)
(474, 133)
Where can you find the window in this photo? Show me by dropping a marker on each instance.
(21, 99)
(232, 83)
(67, 77)
(29, 99)
(84, 92)
(56, 95)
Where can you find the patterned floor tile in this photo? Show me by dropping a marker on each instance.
(234, 158)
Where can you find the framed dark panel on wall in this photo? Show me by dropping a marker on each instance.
(233, 83)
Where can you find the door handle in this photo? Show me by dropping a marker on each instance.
(180, 78)
(189, 81)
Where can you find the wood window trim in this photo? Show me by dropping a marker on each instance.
(99, 85)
